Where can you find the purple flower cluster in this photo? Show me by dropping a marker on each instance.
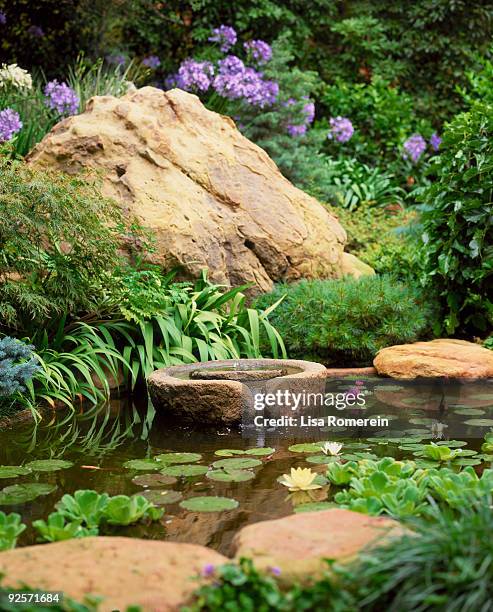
(151, 61)
(116, 59)
(3, 18)
(61, 97)
(300, 127)
(208, 570)
(193, 75)
(259, 50)
(225, 36)
(341, 129)
(435, 141)
(236, 81)
(10, 124)
(36, 31)
(414, 147)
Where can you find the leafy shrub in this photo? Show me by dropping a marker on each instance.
(17, 366)
(347, 321)
(384, 238)
(457, 240)
(59, 242)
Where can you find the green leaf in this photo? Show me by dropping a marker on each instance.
(143, 465)
(209, 504)
(22, 493)
(185, 470)
(153, 480)
(237, 464)
(178, 457)
(12, 471)
(161, 497)
(230, 475)
(48, 465)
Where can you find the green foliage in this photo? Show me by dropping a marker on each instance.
(10, 529)
(58, 242)
(347, 321)
(57, 529)
(444, 565)
(384, 238)
(457, 240)
(91, 510)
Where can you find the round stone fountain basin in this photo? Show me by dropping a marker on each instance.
(219, 392)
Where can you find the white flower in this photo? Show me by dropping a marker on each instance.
(332, 448)
(13, 76)
(300, 479)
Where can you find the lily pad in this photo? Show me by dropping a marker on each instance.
(209, 504)
(422, 421)
(469, 411)
(184, 470)
(49, 465)
(230, 475)
(153, 480)
(178, 457)
(22, 493)
(161, 497)
(260, 452)
(307, 447)
(321, 459)
(452, 443)
(315, 506)
(143, 465)
(237, 464)
(229, 452)
(467, 461)
(480, 422)
(12, 471)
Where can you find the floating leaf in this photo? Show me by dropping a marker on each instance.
(153, 480)
(469, 411)
(161, 497)
(178, 457)
(185, 469)
(22, 493)
(482, 396)
(307, 447)
(49, 465)
(143, 465)
(467, 461)
(230, 475)
(209, 504)
(422, 421)
(315, 506)
(321, 459)
(237, 464)
(12, 471)
(228, 452)
(260, 452)
(480, 422)
(452, 443)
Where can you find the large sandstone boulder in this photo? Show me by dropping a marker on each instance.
(213, 199)
(158, 576)
(439, 358)
(299, 543)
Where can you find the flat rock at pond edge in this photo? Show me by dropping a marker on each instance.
(299, 543)
(212, 198)
(438, 358)
(158, 576)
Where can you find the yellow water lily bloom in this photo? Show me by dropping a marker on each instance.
(332, 448)
(300, 479)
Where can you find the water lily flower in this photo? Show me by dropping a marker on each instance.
(300, 479)
(332, 448)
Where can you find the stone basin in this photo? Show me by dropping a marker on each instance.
(221, 392)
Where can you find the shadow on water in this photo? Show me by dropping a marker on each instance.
(100, 440)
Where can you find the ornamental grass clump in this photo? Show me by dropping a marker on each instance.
(347, 321)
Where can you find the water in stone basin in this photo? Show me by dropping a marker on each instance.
(100, 441)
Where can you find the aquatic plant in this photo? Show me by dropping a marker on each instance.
(10, 529)
(58, 529)
(332, 448)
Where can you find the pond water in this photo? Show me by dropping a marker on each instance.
(99, 441)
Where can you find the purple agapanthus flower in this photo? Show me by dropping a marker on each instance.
(116, 59)
(36, 31)
(296, 130)
(276, 571)
(3, 18)
(309, 111)
(435, 141)
(62, 98)
(259, 50)
(10, 124)
(341, 129)
(193, 75)
(151, 61)
(208, 570)
(225, 36)
(235, 81)
(414, 147)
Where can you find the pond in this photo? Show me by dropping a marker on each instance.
(100, 441)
